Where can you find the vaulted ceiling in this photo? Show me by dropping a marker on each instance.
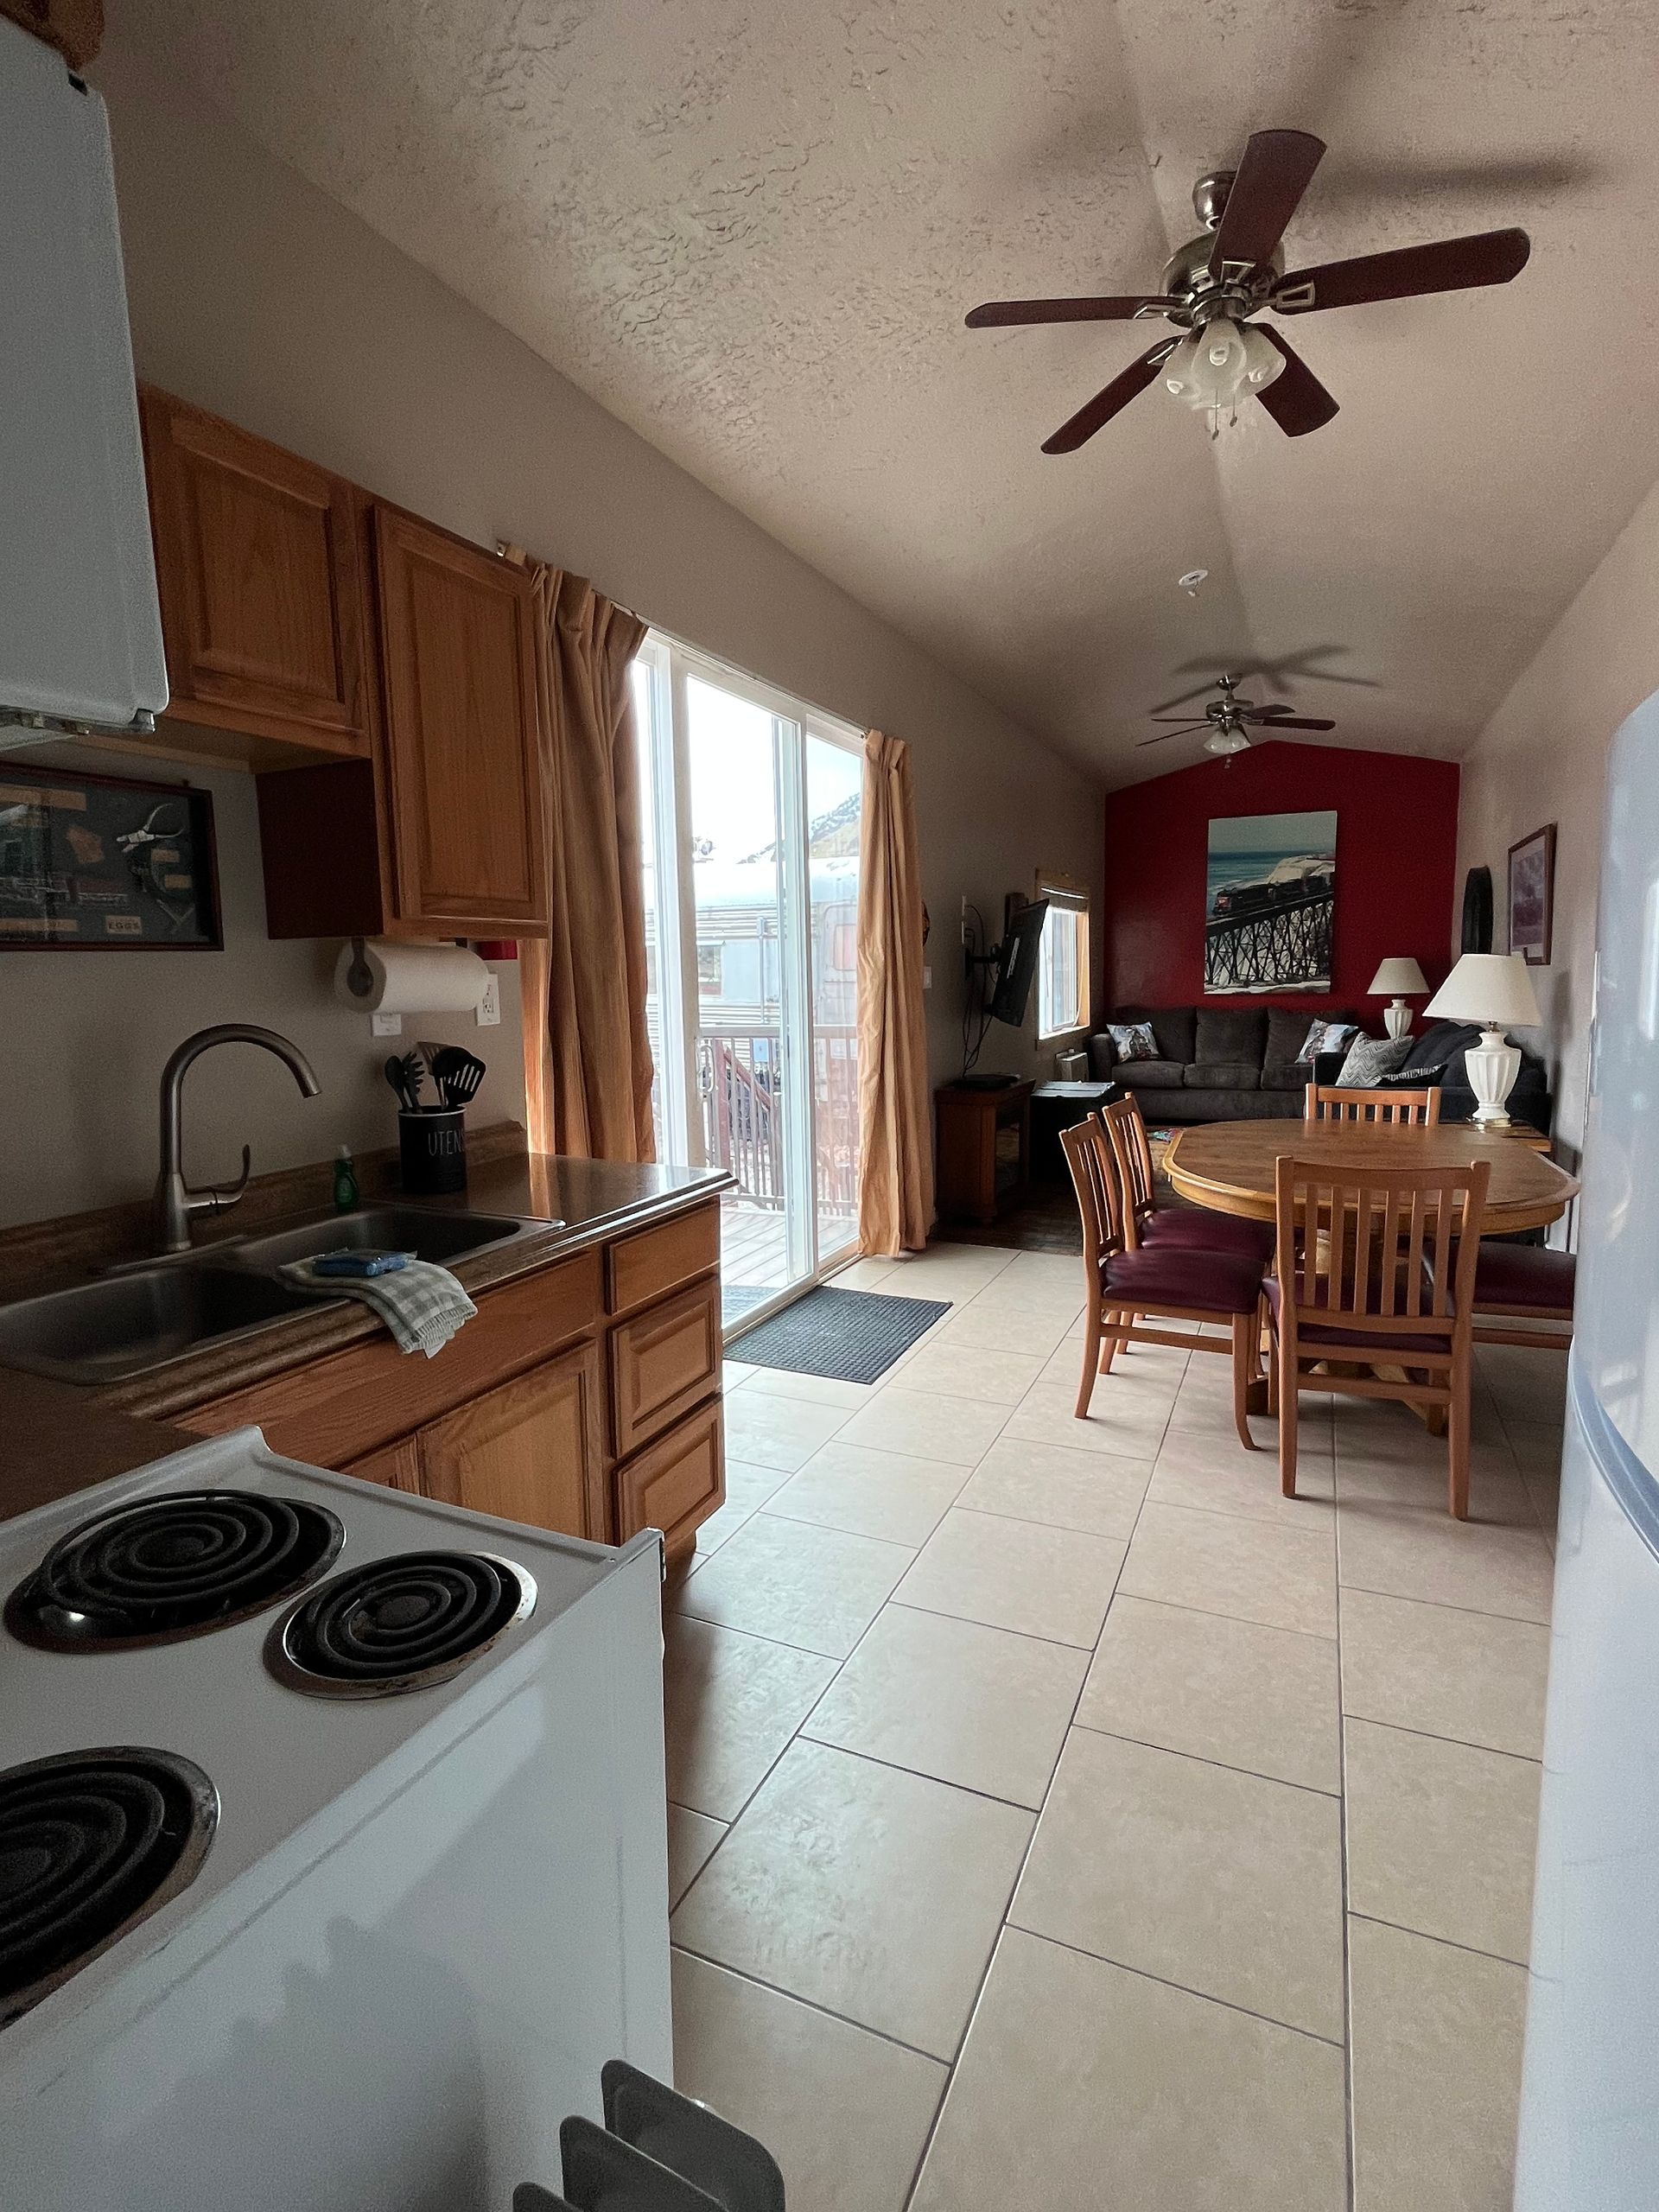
(751, 229)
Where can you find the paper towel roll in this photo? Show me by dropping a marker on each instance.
(377, 977)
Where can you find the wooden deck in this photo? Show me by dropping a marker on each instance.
(752, 1251)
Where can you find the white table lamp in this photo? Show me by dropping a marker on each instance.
(1493, 990)
(1398, 977)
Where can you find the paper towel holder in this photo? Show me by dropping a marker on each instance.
(359, 976)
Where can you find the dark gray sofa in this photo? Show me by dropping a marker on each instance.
(1238, 1064)
(1219, 1063)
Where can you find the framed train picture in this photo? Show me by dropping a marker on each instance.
(1270, 894)
(105, 864)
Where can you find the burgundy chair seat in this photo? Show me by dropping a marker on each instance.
(1165, 1276)
(1525, 1277)
(1211, 1232)
(1351, 1335)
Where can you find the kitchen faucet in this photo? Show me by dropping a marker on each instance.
(176, 1203)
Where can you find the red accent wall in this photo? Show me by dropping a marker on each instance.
(1396, 868)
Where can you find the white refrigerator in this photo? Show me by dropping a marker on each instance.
(1590, 2097)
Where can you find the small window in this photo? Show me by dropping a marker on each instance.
(1063, 959)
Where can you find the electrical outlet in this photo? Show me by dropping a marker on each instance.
(385, 1024)
(927, 979)
(488, 1014)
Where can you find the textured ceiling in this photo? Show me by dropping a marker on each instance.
(751, 229)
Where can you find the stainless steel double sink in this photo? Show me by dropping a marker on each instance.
(139, 1318)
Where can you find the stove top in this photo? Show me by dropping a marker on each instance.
(403, 1623)
(104, 1643)
(181, 1564)
(91, 1843)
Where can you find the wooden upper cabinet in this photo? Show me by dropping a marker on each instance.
(463, 774)
(260, 572)
(527, 1451)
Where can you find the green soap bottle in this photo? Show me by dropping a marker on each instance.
(344, 1181)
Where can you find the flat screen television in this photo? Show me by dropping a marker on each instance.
(1016, 962)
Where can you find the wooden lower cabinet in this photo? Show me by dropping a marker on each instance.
(674, 1484)
(545, 1409)
(528, 1451)
(398, 1466)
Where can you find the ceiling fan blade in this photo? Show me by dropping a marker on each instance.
(1274, 175)
(1001, 314)
(1451, 265)
(1104, 404)
(1167, 734)
(1288, 721)
(1179, 722)
(1296, 399)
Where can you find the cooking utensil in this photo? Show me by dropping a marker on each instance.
(394, 1073)
(411, 1071)
(457, 1075)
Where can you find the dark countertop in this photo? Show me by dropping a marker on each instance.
(57, 1437)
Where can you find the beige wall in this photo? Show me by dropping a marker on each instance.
(255, 295)
(1543, 757)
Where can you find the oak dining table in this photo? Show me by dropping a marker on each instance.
(1232, 1167)
(1229, 1167)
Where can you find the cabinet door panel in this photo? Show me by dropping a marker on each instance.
(674, 1483)
(460, 729)
(528, 1451)
(398, 1466)
(663, 1362)
(260, 579)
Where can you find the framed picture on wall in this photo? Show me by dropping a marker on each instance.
(105, 864)
(1270, 895)
(1532, 895)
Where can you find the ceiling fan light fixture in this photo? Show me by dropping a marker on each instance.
(1214, 368)
(1227, 741)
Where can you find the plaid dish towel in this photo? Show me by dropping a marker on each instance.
(422, 1304)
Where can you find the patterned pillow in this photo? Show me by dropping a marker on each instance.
(1415, 1078)
(1132, 1041)
(1369, 1057)
(1328, 1037)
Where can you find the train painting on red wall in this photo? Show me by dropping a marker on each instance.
(1270, 899)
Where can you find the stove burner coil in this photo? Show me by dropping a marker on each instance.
(90, 1844)
(400, 1623)
(169, 1566)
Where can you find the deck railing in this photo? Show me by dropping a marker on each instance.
(739, 1078)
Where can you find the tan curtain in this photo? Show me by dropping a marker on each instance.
(895, 1158)
(588, 1056)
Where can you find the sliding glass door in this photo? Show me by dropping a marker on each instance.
(752, 803)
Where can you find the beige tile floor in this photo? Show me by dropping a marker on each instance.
(1060, 1818)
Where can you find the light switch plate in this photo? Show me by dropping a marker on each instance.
(385, 1024)
(487, 1013)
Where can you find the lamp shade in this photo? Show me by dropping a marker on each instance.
(1491, 988)
(1401, 978)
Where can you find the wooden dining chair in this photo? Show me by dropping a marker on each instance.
(1519, 1286)
(1145, 1222)
(1129, 1287)
(1329, 1101)
(1381, 1299)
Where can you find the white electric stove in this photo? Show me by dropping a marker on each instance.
(336, 1898)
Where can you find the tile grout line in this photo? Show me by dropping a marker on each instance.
(1025, 1861)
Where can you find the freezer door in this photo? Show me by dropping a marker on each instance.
(1617, 1319)
(1590, 2098)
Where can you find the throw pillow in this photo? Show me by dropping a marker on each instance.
(1369, 1057)
(1132, 1041)
(1327, 1037)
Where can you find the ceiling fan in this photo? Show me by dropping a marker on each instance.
(1229, 718)
(1235, 269)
